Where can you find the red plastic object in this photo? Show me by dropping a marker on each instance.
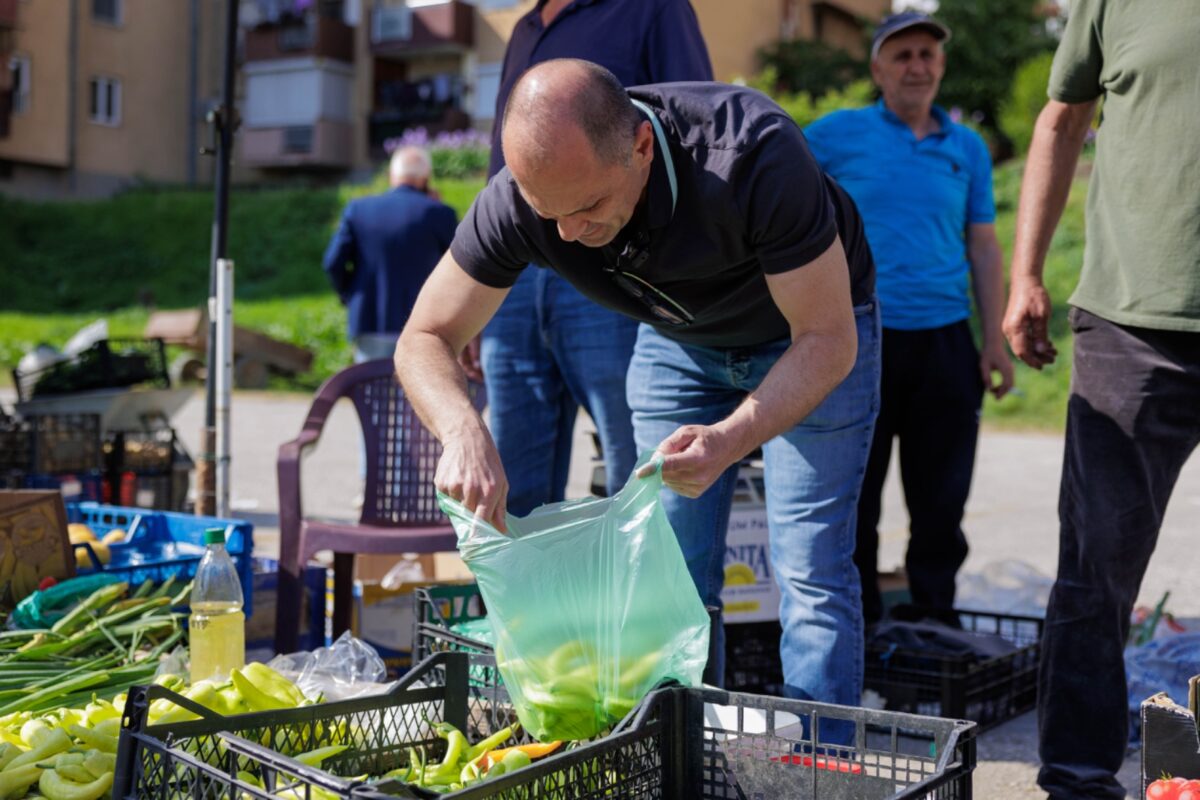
(47, 582)
(831, 764)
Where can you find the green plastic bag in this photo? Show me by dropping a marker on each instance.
(591, 605)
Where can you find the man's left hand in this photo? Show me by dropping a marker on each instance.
(994, 359)
(693, 458)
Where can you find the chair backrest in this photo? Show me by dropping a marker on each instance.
(401, 454)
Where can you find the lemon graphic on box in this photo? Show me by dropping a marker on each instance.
(738, 574)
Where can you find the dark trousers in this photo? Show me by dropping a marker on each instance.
(1133, 419)
(930, 397)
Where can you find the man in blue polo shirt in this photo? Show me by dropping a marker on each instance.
(549, 349)
(923, 185)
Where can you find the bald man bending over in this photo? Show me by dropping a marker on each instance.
(696, 209)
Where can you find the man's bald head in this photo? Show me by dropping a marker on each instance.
(567, 94)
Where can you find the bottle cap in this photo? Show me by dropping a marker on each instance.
(214, 536)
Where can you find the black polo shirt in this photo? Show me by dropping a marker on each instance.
(751, 201)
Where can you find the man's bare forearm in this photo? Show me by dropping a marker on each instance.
(435, 384)
(812, 367)
(987, 282)
(1049, 170)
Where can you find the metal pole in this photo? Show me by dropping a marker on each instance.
(224, 122)
(224, 381)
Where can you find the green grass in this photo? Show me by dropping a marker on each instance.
(1040, 399)
(63, 265)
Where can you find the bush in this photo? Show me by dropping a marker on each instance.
(801, 66)
(804, 109)
(457, 154)
(992, 38)
(1025, 100)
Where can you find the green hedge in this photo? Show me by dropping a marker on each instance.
(1026, 97)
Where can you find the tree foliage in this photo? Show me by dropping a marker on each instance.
(802, 66)
(991, 39)
(1020, 109)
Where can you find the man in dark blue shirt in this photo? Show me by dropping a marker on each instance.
(696, 209)
(382, 252)
(550, 350)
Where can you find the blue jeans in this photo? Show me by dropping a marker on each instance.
(548, 351)
(813, 474)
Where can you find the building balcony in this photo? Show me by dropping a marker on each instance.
(6, 103)
(317, 35)
(8, 13)
(432, 27)
(325, 144)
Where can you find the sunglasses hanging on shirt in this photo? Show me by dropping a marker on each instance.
(637, 250)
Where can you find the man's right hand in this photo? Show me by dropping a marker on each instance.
(470, 472)
(1027, 322)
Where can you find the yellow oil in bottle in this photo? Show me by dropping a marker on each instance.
(218, 639)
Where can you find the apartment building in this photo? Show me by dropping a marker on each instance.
(95, 94)
(103, 93)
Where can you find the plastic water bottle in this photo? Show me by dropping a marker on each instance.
(217, 625)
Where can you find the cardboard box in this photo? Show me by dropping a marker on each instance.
(374, 567)
(750, 593)
(384, 617)
(33, 542)
(1170, 740)
(260, 626)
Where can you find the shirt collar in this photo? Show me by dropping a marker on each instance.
(535, 14)
(938, 113)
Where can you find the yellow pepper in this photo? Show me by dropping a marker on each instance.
(54, 786)
(94, 739)
(271, 682)
(52, 744)
(15, 781)
(258, 699)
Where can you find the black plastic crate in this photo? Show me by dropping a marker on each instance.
(66, 443)
(16, 444)
(752, 662)
(147, 468)
(109, 363)
(679, 743)
(987, 691)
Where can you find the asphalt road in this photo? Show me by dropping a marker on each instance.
(1011, 516)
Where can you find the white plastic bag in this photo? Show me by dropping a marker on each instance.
(349, 668)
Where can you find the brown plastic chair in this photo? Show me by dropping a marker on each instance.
(399, 511)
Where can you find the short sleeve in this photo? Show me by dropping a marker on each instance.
(786, 205)
(489, 244)
(1075, 73)
(981, 202)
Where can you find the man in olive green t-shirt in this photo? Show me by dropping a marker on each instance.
(1133, 417)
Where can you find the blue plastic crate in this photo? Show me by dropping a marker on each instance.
(161, 544)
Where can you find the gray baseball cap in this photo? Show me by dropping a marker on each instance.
(907, 20)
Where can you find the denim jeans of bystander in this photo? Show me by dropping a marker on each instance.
(546, 352)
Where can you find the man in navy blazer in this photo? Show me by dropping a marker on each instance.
(384, 249)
